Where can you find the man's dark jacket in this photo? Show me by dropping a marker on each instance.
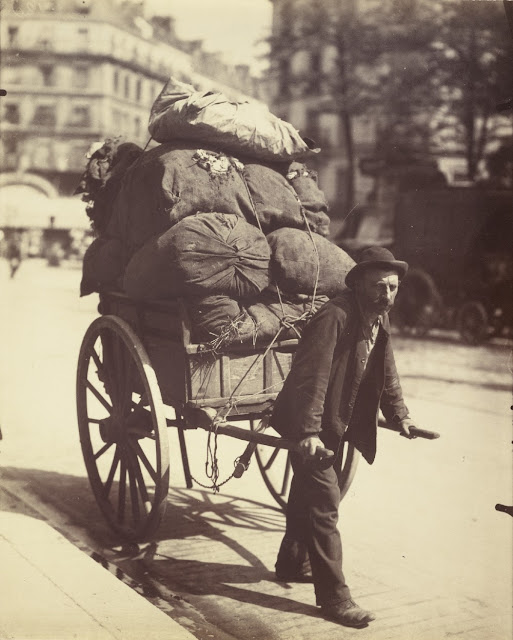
(330, 390)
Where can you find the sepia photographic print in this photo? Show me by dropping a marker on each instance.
(256, 319)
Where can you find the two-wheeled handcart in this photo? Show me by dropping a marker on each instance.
(139, 373)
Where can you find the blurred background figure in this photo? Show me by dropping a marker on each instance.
(13, 253)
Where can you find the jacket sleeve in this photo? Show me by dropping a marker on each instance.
(311, 370)
(392, 404)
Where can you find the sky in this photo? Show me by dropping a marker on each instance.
(232, 27)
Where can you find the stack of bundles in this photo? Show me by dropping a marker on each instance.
(221, 320)
(205, 254)
(239, 128)
(177, 180)
(101, 180)
(224, 215)
(99, 185)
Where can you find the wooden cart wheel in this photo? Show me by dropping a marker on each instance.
(122, 428)
(276, 470)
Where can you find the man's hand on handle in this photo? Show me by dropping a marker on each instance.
(312, 448)
(405, 424)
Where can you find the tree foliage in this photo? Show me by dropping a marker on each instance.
(431, 72)
(474, 58)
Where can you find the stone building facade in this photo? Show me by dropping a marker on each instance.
(78, 71)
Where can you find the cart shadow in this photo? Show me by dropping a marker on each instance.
(193, 518)
(228, 565)
(189, 512)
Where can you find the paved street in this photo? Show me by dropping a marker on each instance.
(424, 547)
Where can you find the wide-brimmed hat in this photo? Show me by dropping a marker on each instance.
(375, 257)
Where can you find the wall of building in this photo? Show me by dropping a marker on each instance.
(78, 72)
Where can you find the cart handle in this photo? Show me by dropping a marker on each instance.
(414, 431)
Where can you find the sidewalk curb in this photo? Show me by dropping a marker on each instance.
(71, 585)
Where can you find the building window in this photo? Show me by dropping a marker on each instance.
(137, 127)
(12, 113)
(48, 75)
(80, 117)
(82, 6)
(45, 115)
(127, 86)
(116, 118)
(116, 81)
(312, 128)
(12, 36)
(11, 146)
(83, 38)
(284, 77)
(81, 77)
(315, 70)
(138, 90)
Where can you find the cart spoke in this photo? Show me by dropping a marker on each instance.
(134, 497)
(121, 421)
(99, 364)
(272, 459)
(112, 472)
(138, 450)
(98, 396)
(127, 385)
(122, 491)
(101, 451)
(140, 481)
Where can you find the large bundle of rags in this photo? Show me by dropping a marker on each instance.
(210, 118)
(225, 215)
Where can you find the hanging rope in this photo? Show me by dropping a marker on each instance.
(286, 322)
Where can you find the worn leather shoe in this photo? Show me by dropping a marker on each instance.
(347, 613)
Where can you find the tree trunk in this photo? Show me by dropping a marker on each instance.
(470, 108)
(347, 131)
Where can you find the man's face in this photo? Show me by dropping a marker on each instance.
(377, 289)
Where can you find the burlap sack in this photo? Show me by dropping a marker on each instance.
(287, 315)
(218, 253)
(212, 317)
(171, 182)
(300, 260)
(205, 254)
(275, 202)
(241, 128)
(151, 272)
(314, 203)
(102, 266)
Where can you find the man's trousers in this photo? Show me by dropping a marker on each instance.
(311, 529)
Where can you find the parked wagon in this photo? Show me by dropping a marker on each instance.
(139, 373)
(458, 244)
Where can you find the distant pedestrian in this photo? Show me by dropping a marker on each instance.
(13, 254)
(342, 374)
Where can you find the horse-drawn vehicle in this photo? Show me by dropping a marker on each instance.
(139, 373)
(458, 244)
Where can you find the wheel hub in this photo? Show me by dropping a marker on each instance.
(111, 429)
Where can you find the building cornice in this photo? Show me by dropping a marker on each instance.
(17, 56)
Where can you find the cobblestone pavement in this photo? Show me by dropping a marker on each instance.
(424, 547)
